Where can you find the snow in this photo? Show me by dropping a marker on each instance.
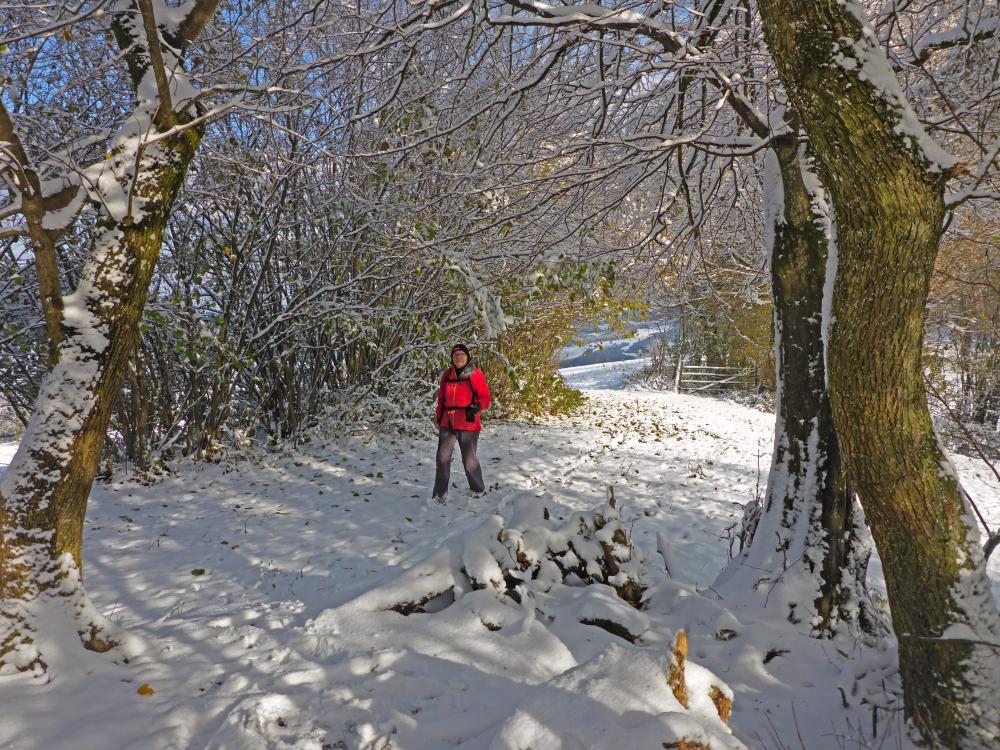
(604, 375)
(62, 218)
(823, 209)
(866, 56)
(966, 32)
(252, 592)
(774, 200)
(7, 451)
(602, 344)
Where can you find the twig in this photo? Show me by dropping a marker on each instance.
(795, 720)
(965, 430)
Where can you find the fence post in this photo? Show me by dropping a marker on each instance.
(678, 374)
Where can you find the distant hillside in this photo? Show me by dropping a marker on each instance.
(602, 345)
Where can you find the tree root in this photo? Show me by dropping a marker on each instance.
(64, 597)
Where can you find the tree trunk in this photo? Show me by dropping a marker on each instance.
(806, 529)
(887, 181)
(43, 495)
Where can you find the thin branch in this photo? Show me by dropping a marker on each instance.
(954, 38)
(165, 112)
(629, 21)
(992, 538)
(54, 27)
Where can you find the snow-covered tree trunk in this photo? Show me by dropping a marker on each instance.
(43, 494)
(886, 179)
(807, 552)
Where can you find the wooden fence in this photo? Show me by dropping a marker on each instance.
(708, 379)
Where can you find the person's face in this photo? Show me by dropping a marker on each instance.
(459, 359)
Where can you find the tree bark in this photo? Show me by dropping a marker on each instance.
(887, 183)
(806, 528)
(807, 480)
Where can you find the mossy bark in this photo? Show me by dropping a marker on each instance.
(889, 211)
(806, 481)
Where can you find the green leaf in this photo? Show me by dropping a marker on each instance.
(198, 572)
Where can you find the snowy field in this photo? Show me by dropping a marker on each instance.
(248, 590)
(604, 376)
(604, 346)
(6, 454)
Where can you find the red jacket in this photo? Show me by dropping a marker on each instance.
(458, 391)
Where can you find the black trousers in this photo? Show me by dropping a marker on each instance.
(467, 441)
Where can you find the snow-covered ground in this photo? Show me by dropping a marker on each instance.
(6, 454)
(248, 588)
(603, 345)
(603, 376)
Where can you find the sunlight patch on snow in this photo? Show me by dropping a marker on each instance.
(7, 451)
(602, 376)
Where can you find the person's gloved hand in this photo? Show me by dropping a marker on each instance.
(471, 411)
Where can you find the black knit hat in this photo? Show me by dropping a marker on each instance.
(461, 348)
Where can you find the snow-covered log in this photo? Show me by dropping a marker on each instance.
(515, 558)
(524, 589)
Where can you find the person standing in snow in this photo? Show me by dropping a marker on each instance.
(462, 395)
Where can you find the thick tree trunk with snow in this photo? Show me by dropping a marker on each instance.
(806, 530)
(43, 494)
(887, 180)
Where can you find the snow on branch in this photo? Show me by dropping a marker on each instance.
(596, 17)
(195, 16)
(862, 52)
(164, 113)
(961, 35)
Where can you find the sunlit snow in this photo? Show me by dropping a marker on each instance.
(245, 583)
